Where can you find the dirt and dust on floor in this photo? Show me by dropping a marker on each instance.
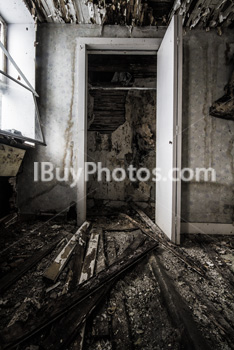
(114, 283)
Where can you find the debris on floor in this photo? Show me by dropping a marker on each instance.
(119, 284)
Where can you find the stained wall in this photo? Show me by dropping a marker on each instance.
(207, 142)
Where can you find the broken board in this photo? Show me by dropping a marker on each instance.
(54, 270)
(86, 273)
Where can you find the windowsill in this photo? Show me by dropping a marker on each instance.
(12, 141)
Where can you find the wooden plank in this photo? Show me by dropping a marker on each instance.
(86, 273)
(140, 226)
(9, 219)
(146, 219)
(101, 259)
(90, 257)
(110, 248)
(78, 259)
(9, 280)
(18, 333)
(100, 324)
(54, 270)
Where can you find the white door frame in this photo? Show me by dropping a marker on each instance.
(85, 46)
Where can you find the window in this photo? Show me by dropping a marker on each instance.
(19, 115)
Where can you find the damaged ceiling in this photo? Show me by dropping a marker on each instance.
(196, 13)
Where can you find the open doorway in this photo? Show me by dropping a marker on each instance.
(121, 130)
(169, 83)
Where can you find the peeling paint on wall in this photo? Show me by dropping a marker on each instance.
(10, 160)
(133, 142)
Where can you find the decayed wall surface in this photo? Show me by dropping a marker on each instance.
(132, 143)
(206, 141)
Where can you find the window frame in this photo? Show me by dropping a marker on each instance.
(6, 55)
(3, 39)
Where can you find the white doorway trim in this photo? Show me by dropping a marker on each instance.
(85, 46)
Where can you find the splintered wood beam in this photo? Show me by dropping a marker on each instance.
(140, 226)
(9, 219)
(64, 305)
(54, 270)
(8, 280)
(78, 260)
(90, 257)
(146, 219)
(101, 259)
(175, 250)
(86, 273)
(78, 343)
(100, 321)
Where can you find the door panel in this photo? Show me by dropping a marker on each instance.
(168, 150)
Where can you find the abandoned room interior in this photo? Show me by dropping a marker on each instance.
(116, 174)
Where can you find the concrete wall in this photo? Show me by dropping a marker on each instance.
(206, 141)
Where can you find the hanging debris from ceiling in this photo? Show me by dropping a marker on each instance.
(196, 13)
(123, 12)
(205, 14)
(224, 106)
